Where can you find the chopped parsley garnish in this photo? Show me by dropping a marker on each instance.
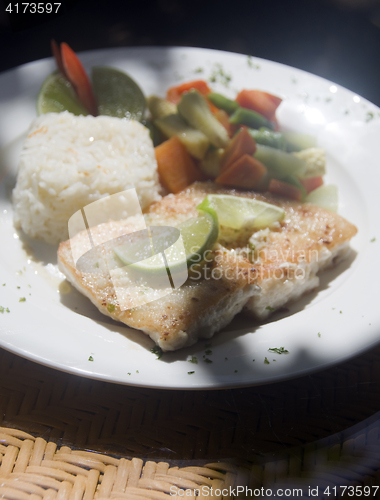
(235, 371)
(22, 299)
(370, 116)
(157, 351)
(90, 358)
(190, 373)
(193, 359)
(110, 307)
(218, 75)
(266, 361)
(269, 308)
(208, 352)
(2, 309)
(206, 360)
(372, 241)
(198, 70)
(319, 334)
(278, 350)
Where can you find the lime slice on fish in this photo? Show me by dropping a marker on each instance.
(57, 95)
(237, 212)
(198, 235)
(117, 94)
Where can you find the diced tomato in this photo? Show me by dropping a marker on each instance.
(259, 101)
(285, 189)
(312, 183)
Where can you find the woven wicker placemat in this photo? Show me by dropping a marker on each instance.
(64, 436)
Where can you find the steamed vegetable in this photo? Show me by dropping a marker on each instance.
(262, 102)
(246, 172)
(175, 93)
(268, 137)
(175, 166)
(194, 109)
(159, 107)
(285, 189)
(77, 76)
(194, 140)
(243, 116)
(240, 145)
(221, 102)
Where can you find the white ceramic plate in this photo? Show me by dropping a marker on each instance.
(65, 331)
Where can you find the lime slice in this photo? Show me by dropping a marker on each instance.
(237, 212)
(199, 235)
(325, 196)
(57, 95)
(117, 94)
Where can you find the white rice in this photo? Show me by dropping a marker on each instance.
(70, 161)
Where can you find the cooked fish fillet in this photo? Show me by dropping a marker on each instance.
(283, 266)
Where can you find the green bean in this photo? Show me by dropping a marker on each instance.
(243, 116)
(268, 138)
(222, 102)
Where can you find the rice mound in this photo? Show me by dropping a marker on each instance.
(70, 161)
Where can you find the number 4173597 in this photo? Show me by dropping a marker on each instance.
(32, 8)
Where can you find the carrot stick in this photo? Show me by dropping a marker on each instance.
(259, 101)
(242, 143)
(246, 172)
(77, 75)
(57, 56)
(311, 183)
(174, 93)
(284, 189)
(175, 166)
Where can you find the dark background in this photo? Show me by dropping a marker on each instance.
(336, 39)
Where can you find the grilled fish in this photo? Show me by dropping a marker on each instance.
(257, 273)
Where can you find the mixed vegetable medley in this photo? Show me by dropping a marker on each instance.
(199, 134)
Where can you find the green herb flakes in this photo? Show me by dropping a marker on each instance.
(269, 308)
(208, 352)
(207, 360)
(266, 361)
(157, 351)
(278, 350)
(22, 299)
(193, 359)
(90, 358)
(371, 240)
(4, 309)
(190, 373)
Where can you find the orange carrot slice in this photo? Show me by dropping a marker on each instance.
(246, 172)
(259, 101)
(312, 183)
(243, 143)
(223, 118)
(58, 57)
(175, 166)
(284, 189)
(174, 93)
(77, 75)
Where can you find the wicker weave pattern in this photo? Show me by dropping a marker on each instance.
(323, 428)
(34, 469)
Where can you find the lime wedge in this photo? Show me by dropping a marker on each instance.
(198, 235)
(117, 94)
(57, 95)
(237, 212)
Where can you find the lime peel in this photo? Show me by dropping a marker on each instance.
(238, 212)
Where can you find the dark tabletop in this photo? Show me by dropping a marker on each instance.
(335, 39)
